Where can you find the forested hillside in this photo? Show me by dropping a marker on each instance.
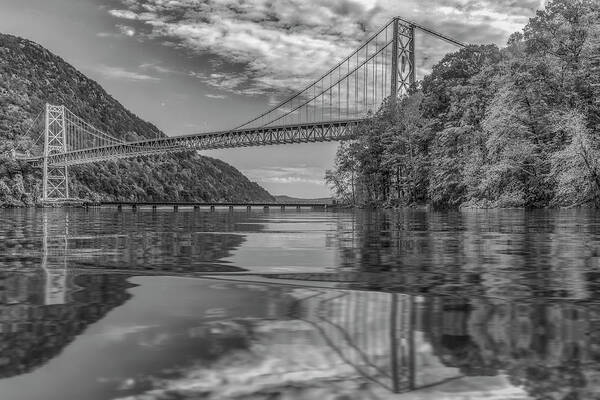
(489, 127)
(31, 76)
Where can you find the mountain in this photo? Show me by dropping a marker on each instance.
(31, 76)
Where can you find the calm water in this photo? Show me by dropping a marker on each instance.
(299, 305)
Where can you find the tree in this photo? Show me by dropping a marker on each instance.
(575, 168)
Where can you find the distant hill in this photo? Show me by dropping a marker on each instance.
(288, 199)
(31, 76)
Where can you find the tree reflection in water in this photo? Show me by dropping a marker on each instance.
(32, 331)
(422, 305)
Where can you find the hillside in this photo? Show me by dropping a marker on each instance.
(31, 76)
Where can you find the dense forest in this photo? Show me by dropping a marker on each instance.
(490, 127)
(31, 76)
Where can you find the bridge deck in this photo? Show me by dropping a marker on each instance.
(324, 131)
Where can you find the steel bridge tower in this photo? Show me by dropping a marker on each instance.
(55, 178)
(403, 57)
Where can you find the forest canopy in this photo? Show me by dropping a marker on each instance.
(490, 127)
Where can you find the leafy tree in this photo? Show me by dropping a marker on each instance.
(576, 167)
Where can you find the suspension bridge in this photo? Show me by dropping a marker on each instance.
(328, 109)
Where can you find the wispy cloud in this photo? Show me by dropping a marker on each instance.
(126, 14)
(239, 83)
(308, 175)
(215, 96)
(123, 30)
(123, 74)
(126, 30)
(106, 34)
(156, 67)
(273, 46)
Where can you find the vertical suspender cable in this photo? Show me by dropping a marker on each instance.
(339, 94)
(356, 111)
(375, 73)
(330, 116)
(348, 91)
(365, 82)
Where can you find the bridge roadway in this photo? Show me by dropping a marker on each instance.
(269, 135)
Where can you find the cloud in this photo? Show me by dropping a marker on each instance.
(123, 30)
(261, 47)
(106, 34)
(215, 96)
(307, 175)
(276, 45)
(126, 30)
(123, 74)
(125, 14)
(240, 83)
(156, 67)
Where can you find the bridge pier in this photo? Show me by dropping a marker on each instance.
(196, 208)
(134, 207)
(154, 208)
(212, 208)
(266, 208)
(282, 207)
(248, 208)
(297, 208)
(175, 208)
(230, 208)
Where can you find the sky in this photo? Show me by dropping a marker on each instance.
(192, 66)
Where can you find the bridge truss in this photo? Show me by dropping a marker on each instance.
(329, 109)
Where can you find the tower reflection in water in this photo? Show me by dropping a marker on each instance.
(39, 318)
(320, 342)
(44, 306)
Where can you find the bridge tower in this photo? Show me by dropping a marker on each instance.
(403, 57)
(55, 179)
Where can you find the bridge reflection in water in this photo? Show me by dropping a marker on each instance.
(369, 331)
(397, 343)
(341, 339)
(301, 335)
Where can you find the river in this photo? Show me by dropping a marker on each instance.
(101, 304)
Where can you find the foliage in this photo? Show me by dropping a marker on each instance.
(31, 76)
(490, 127)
